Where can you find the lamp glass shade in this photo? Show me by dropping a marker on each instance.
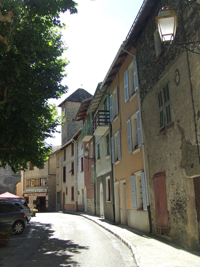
(86, 153)
(167, 22)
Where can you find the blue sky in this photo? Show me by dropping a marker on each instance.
(93, 37)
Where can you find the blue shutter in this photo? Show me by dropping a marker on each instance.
(126, 89)
(144, 193)
(135, 75)
(118, 146)
(116, 109)
(133, 192)
(111, 107)
(130, 146)
(113, 149)
(139, 133)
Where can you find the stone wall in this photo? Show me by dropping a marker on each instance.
(8, 180)
(70, 126)
(90, 206)
(174, 149)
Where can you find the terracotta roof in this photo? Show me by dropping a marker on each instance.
(78, 96)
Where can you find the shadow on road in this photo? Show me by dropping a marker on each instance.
(36, 246)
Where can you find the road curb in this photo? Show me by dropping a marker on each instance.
(126, 242)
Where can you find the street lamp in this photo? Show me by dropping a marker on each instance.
(86, 153)
(167, 22)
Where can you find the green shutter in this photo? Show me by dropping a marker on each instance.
(92, 168)
(130, 146)
(126, 88)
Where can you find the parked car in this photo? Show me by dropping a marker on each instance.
(22, 205)
(32, 209)
(11, 216)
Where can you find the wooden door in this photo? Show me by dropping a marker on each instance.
(160, 196)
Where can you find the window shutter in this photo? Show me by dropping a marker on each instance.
(113, 149)
(116, 110)
(111, 107)
(139, 133)
(135, 75)
(92, 174)
(130, 146)
(126, 89)
(160, 104)
(144, 194)
(118, 146)
(133, 192)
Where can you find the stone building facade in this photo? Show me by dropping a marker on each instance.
(8, 180)
(70, 107)
(170, 104)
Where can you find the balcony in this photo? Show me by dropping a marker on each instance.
(101, 122)
(87, 131)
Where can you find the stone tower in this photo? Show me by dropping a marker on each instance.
(70, 108)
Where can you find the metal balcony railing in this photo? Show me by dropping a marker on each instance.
(101, 122)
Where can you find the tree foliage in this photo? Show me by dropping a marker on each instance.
(31, 71)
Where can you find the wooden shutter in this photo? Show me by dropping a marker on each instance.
(161, 112)
(113, 149)
(118, 146)
(144, 193)
(130, 146)
(116, 109)
(139, 133)
(126, 89)
(135, 75)
(133, 192)
(111, 107)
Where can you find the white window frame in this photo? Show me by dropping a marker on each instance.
(57, 178)
(114, 108)
(134, 132)
(138, 191)
(116, 147)
(130, 80)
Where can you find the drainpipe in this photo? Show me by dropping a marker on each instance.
(112, 177)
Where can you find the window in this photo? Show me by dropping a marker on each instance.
(116, 147)
(107, 145)
(64, 174)
(130, 80)
(108, 198)
(134, 132)
(72, 168)
(58, 162)
(64, 155)
(138, 191)
(31, 167)
(105, 106)
(57, 178)
(72, 149)
(42, 182)
(27, 182)
(72, 193)
(114, 104)
(98, 151)
(92, 170)
(164, 106)
(82, 164)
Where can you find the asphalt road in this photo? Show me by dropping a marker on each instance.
(57, 239)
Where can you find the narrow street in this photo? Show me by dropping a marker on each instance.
(57, 239)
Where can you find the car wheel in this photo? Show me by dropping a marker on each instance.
(18, 227)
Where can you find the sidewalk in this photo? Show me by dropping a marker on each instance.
(148, 250)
